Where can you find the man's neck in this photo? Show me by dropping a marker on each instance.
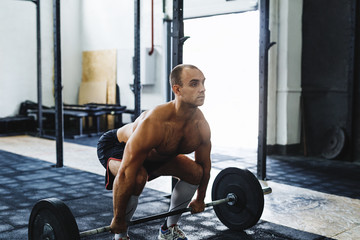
(184, 111)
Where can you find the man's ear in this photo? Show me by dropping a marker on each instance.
(176, 89)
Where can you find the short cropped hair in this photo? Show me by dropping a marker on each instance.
(175, 75)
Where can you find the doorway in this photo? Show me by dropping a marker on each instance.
(226, 49)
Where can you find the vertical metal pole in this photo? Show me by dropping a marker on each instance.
(177, 44)
(39, 83)
(59, 123)
(355, 82)
(263, 87)
(168, 60)
(351, 81)
(178, 32)
(136, 67)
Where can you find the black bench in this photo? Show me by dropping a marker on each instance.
(49, 116)
(108, 109)
(78, 113)
(17, 124)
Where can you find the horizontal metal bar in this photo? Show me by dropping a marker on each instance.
(95, 231)
(34, 1)
(175, 212)
(266, 190)
(151, 218)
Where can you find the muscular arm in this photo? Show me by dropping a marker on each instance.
(142, 141)
(202, 157)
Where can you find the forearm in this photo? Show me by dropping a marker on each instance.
(203, 185)
(121, 195)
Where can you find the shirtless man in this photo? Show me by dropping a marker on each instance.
(155, 145)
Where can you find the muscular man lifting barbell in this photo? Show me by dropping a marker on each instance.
(155, 145)
(152, 146)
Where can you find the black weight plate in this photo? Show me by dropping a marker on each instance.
(52, 219)
(249, 205)
(334, 142)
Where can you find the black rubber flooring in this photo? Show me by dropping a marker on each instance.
(26, 180)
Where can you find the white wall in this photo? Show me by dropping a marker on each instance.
(18, 59)
(17, 55)
(285, 72)
(47, 54)
(272, 72)
(71, 49)
(85, 25)
(110, 25)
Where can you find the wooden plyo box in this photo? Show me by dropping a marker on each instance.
(99, 79)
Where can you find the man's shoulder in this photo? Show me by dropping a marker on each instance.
(200, 116)
(203, 125)
(160, 111)
(164, 107)
(156, 116)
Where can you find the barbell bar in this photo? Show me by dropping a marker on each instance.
(240, 189)
(230, 198)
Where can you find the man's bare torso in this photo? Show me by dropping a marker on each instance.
(178, 136)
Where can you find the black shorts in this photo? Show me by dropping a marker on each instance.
(109, 148)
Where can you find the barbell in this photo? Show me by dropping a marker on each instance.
(238, 202)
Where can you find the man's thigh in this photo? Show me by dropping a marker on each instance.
(183, 168)
(141, 176)
(114, 166)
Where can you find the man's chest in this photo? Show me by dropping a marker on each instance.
(180, 141)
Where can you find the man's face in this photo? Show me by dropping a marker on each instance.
(193, 89)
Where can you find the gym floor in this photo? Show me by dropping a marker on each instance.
(311, 199)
